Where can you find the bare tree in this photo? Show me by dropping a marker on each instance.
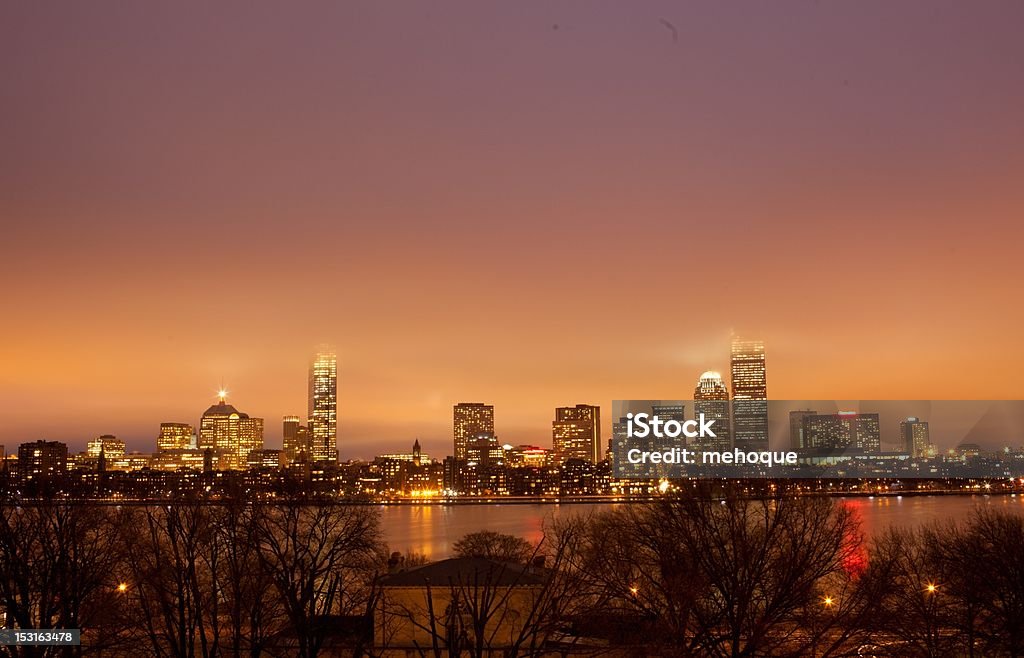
(979, 571)
(251, 611)
(173, 561)
(494, 546)
(729, 577)
(321, 560)
(58, 565)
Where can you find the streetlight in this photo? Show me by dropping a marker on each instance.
(122, 588)
(827, 601)
(931, 588)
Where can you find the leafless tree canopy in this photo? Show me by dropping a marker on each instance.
(494, 545)
(691, 575)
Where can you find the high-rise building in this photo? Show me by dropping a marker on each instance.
(42, 459)
(711, 398)
(231, 433)
(176, 436)
(111, 447)
(576, 433)
(297, 441)
(749, 394)
(323, 405)
(916, 438)
(471, 421)
(846, 429)
(797, 440)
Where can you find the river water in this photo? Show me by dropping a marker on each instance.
(431, 529)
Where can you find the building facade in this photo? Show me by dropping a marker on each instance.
(471, 421)
(797, 440)
(176, 436)
(323, 405)
(231, 433)
(711, 398)
(297, 443)
(916, 438)
(109, 445)
(42, 460)
(846, 429)
(576, 433)
(749, 394)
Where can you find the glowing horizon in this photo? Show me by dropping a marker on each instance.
(528, 216)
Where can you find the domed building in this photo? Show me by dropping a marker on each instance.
(711, 398)
(231, 434)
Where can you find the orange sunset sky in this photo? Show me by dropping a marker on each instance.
(529, 205)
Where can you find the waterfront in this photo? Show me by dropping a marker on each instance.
(430, 529)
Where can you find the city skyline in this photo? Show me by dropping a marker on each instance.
(274, 433)
(182, 204)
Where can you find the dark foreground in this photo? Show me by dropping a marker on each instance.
(686, 576)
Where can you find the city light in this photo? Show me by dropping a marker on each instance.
(122, 587)
(634, 590)
(931, 588)
(827, 601)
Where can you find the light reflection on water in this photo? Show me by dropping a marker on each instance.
(431, 529)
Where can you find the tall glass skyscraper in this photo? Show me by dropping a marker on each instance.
(749, 394)
(323, 405)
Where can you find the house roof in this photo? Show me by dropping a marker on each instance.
(467, 571)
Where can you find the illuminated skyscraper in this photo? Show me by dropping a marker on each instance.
(471, 421)
(296, 443)
(175, 436)
(711, 398)
(749, 394)
(916, 438)
(323, 405)
(576, 433)
(111, 447)
(231, 433)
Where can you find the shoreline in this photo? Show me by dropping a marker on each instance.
(513, 500)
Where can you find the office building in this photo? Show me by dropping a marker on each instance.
(711, 398)
(109, 445)
(42, 459)
(666, 412)
(484, 451)
(797, 440)
(915, 437)
(176, 436)
(264, 458)
(297, 442)
(471, 420)
(749, 394)
(231, 433)
(846, 429)
(576, 433)
(323, 405)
